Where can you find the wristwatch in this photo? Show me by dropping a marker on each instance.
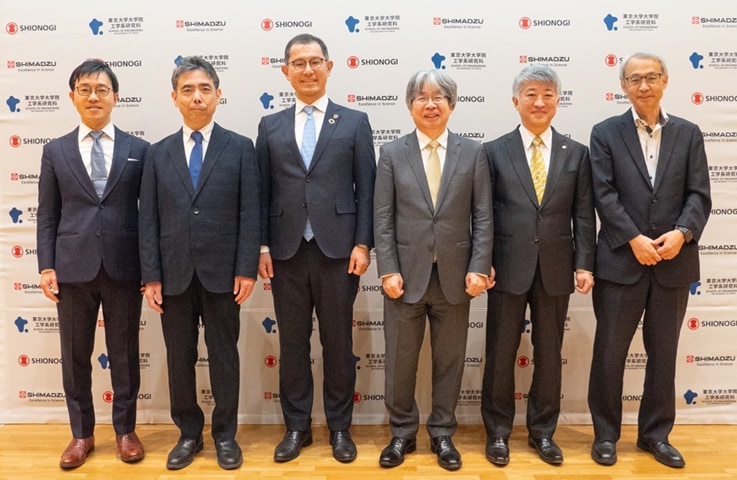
(687, 235)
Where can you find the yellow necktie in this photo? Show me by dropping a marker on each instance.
(537, 168)
(433, 170)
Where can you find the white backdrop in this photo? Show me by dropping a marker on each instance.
(375, 46)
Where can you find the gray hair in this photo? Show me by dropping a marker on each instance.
(540, 73)
(189, 64)
(434, 78)
(641, 56)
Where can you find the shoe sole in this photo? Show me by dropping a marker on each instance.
(498, 461)
(604, 461)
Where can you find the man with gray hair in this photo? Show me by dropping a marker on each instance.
(544, 246)
(433, 234)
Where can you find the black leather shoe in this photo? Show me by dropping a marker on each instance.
(344, 450)
(497, 451)
(448, 457)
(547, 449)
(393, 454)
(663, 452)
(183, 452)
(229, 455)
(289, 447)
(604, 452)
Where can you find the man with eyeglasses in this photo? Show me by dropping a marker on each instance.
(433, 231)
(651, 187)
(318, 167)
(87, 238)
(544, 246)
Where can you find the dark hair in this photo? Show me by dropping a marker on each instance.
(189, 64)
(304, 39)
(93, 66)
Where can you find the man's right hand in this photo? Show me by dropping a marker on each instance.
(49, 285)
(152, 292)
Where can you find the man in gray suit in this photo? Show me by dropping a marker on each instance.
(87, 239)
(433, 232)
(544, 244)
(317, 173)
(651, 184)
(199, 253)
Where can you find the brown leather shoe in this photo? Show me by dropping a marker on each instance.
(76, 452)
(129, 447)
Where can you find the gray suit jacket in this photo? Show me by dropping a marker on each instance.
(408, 228)
(77, 232)
(559, 233)
(628, 205)
(213, 229)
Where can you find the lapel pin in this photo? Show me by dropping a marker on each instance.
(331, 121)
(563, 147)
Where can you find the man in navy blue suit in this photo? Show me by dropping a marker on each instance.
(318, 167)
(87, 238)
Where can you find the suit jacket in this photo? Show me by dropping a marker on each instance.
(213, 229)
(77, 232)
(628, 205)
(337, 190)
(559, 234)
(408, 228)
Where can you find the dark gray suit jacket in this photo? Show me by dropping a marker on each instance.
(337, 189)
(77, 232)
(214, 229)
(559, 234)
(407, 227)
(628, 205)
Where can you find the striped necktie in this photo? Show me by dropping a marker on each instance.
(99, 170)
(537, 168)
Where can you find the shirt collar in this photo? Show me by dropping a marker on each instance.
(206, 131)
(108, 129)
(640, 122)
(321, 105)
(528, 137)
(424, 139)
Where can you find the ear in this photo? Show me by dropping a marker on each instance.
(515, 102)
(330, 67)
(285, 70)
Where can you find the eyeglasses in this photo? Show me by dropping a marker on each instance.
(100, 91)
(425, 100)
(314, 63)
(651, 79)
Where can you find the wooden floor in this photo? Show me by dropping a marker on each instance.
(31, 452)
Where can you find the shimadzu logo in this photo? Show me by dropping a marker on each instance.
(32, 65)
(711, 360)
(374, 100)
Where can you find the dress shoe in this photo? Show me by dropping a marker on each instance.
(130, 447)
(229, 454)
(448, 457)
(604, 452)
(547, 449)
(183, 452)
(289, 447)
(497, 451)
(663, 452)
(76, 452)
(344, 450)
(393, 454)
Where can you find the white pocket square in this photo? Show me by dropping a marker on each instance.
(133, 160)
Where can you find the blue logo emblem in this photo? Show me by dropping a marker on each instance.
(12, 103)
(690, 397)
(438, 60)
(104, 361)
(95, 26)
(178, 60)
(266, 100)
(526, 326)
(610, 22)
(696, 60)
(352, 22)
(269, 324)
(694, 288)
(20, 324)
(15, 215)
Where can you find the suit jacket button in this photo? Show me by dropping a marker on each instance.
(304, 205)
(196, 211)
(537, 239)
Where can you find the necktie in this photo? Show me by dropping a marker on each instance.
(537, 168)
(99, 171)
(433, 170)
(195, 158)
(309, 139)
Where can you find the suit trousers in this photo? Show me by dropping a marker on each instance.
(311, 281)
(505, 323)
(180, 323)
(78, 307)
(404, 332)
(619, 309)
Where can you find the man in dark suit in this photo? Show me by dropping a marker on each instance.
(87, 237)
(544, 244)
(317, 173)
(651, 185)
(199, 256)
(433, 232)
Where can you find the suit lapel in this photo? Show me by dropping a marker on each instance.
(668, 136)
(414, 160)
(516, 152)
(178, 160)
(218, 141)
(329, 124)
(286, 125)
(558, 152)
(75, 163)
(628, 131)
(120, 158)
(452, 153)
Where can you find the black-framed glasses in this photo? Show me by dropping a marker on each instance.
(651, 79)
(100, 90)
(314, 63)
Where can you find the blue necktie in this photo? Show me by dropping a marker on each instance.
(308, 149)
(99, 171)
(195, 158)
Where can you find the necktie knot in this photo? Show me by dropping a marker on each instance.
(197, 137)
(434, 144)
(537, 141)
(308, 110)
(96, 134)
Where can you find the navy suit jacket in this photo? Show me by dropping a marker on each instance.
(77, 232)
(559, 234)
(212, 229)
(337, 190)
(628, 205)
